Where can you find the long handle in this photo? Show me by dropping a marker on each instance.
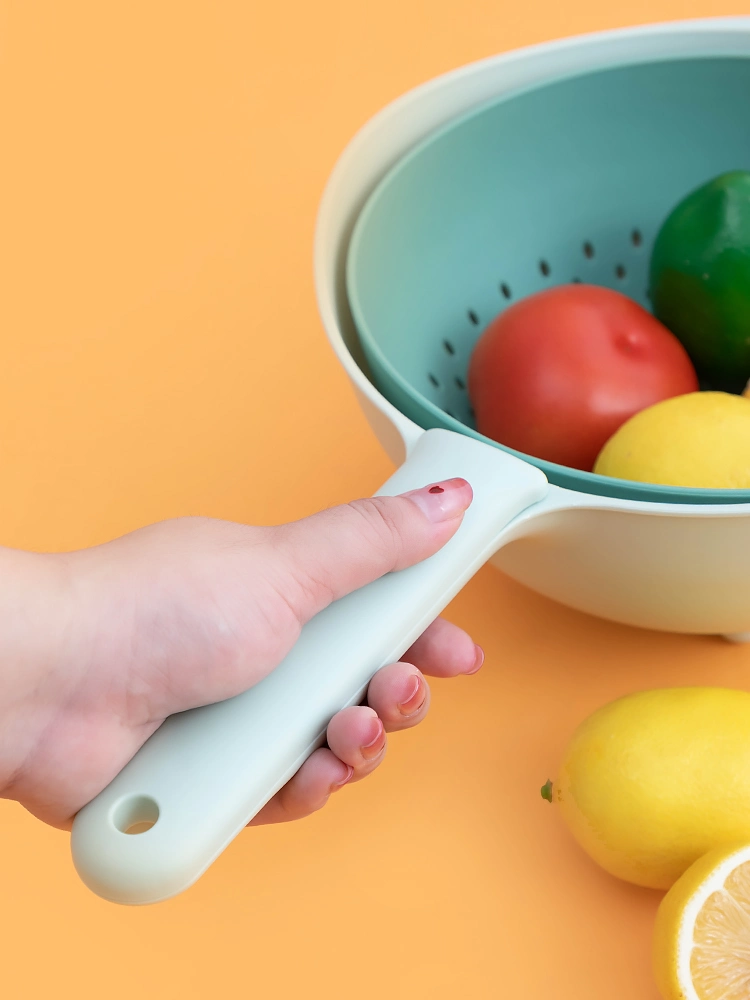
(205, 773)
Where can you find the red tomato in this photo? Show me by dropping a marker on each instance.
(557, 373)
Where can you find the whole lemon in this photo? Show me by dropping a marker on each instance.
(700, 439)
(655, 780)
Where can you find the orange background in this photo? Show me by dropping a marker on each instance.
(162, 355)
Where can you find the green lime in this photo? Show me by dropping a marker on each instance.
(700, 279)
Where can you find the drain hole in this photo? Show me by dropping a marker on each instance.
(472, 415)
(620, 271)
(636, 238)
(506, 292)
(459, 382)
(588, 250)
(473, 317)
(432, 379)
(575, 281)
(135, 814)
(449, 347)
(544, 268)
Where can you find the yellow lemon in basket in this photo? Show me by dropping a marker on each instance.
(655, 780)
(701, 439)
(702, 933)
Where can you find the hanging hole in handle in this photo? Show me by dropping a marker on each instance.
(135, 814)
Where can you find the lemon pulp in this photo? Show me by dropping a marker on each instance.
(720, 959)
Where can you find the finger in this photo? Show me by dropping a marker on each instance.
(357, 737)
(340, 550)
(309, 790)
(445, 650)
(399, 695)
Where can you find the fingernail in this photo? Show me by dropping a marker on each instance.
(340, 784)
(442, 501)
(415, 698)
(478, 661)
(371, 750)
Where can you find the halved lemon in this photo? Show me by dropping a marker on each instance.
(702, 934)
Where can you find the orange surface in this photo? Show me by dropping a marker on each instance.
(161, 171)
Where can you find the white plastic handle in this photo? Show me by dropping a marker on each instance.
(205, 773)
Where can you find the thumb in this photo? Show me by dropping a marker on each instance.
(339, 550)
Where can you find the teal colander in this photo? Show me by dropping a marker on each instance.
(569, 181)
(452, 219)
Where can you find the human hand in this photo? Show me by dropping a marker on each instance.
(99, 646)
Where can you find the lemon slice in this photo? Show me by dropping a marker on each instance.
(702, 935)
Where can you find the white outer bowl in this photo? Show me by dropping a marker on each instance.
(679, 568)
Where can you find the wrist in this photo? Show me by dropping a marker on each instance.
(35, 631)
